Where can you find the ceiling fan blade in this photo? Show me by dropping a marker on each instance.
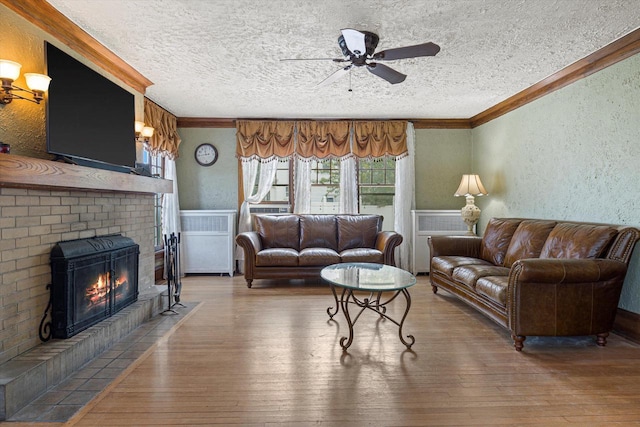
(354, 40)
(389, 74)
(335, 76)
(424, 49)
(316, 59)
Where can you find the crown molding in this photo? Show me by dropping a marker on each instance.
(441, 123)
(205, 122)
(212, 122)
(47, 18)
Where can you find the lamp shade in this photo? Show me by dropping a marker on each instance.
(147, 132)
(37, 82)
(138, 126)
(470, 185)
(9, 69)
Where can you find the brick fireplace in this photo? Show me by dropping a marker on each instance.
(32, 222)
(35, 214)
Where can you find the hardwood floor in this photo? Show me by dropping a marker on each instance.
(270, 356)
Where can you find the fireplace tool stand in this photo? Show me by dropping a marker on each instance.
(172, 269)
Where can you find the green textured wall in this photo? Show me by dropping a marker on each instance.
(573, 155)
(442, 156)
(211, 187)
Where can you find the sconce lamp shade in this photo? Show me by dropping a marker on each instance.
(470, 185)
(147, 132)
(9, 69)
(138, 126)
(37, 82)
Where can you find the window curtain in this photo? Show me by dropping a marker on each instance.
(404, 200)
(302, 186)
(171, 207)
(264, 139)
(323, 140)
(348, 186)
(267, 175)
(380, 138)
(165, 140)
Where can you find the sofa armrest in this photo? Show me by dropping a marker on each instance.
(250, 242)
(468, 246)
(556, 297)
(386, 242)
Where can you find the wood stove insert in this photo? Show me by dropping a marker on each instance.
(91, 279)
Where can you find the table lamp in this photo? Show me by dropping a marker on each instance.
(470, 186)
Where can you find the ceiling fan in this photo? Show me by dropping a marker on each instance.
(358, 48)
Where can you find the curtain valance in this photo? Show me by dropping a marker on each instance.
(320, 139)
(165, 140)
(264, 139)
(323, 139)
(380, 138)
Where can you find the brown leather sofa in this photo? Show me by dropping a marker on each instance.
(299, 246)
(538, 277)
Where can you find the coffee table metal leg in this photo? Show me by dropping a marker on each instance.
(405, 292)
(330, 311)
(345, 309)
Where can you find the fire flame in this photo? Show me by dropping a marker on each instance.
(98, 291)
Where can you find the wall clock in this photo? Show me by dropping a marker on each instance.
(206, 154)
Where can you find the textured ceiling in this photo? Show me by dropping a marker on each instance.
(221, 58)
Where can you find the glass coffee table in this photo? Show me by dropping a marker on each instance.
(375, 279)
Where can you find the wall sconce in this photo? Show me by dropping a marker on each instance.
(143, 133)
(9, 72)
(470, 186)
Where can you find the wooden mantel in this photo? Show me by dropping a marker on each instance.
(28, 172)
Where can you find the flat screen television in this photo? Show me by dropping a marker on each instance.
(90, 119)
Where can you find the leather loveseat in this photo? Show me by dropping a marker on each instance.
(538, 277)
(298, 246)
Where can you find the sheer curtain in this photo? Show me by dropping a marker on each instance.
(267, 175)
(302, 186)
(171, 206)
(405, 200)
(348, 186)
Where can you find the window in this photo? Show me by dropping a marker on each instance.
(376, 187)
(325, 186)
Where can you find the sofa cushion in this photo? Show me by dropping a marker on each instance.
(447, 263)
(494, 288)
(568, 240)
(276, 257)
(528, 240)
(468, 275)
(362, 255)
(358, 231)
(278, 231)
(496, 239)
(318, 256)
(318, 231)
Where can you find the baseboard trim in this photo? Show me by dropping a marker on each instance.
(627, 324)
